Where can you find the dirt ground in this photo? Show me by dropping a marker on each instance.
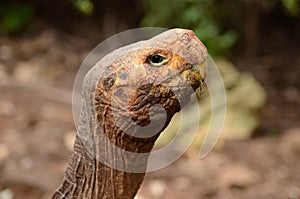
(36, 126)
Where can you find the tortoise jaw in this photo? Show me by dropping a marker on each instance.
(202, 69)
(195, 75)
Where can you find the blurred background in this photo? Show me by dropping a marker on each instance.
(254, 43)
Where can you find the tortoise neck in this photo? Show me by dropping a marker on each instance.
(99, 143)
(87, 177)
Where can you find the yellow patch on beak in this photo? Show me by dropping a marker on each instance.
(202, 69)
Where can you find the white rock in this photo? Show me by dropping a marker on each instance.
(26, 73)
(6, 194)
(157, 188)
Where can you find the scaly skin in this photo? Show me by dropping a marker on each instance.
(125, 84)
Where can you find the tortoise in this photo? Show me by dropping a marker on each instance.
(129, 98)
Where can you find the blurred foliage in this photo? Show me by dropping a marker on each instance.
(292, 6)
(200, 15)
(15, 16)
(217, 23)
(85, 7)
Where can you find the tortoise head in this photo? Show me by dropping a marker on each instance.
(164, 70)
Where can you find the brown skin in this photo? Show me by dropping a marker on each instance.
(128, 81)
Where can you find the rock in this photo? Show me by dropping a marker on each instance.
(69, 138)
(237, 176)
(6, 194)
(26, 73)
(157, 188)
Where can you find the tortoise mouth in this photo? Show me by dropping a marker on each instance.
(197, 72)
(202, 69)
(195, 75)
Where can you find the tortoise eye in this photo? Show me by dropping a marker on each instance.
(157, 60)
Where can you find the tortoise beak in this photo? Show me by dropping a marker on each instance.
(195, 75)
(202, 69)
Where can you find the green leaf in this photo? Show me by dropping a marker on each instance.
(292, 6)
(85, 7)
(15, 17)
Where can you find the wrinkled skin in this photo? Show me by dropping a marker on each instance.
(130, 96)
